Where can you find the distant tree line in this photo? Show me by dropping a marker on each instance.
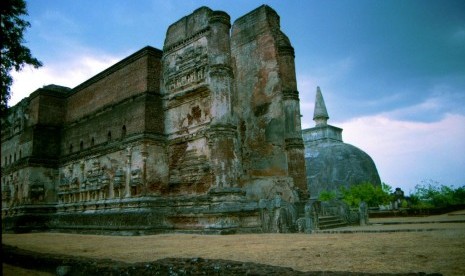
(429, 194)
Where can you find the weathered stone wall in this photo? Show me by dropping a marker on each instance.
(258, 87)
(51, 109)
(125, 79)
(114, 124)
(30, 148)
(197, 84)
(33, 127)
(139, 169)
(117, 149)
(266, 103)
(16, 137)
(29, 185)
(154, 119)
(191, 138)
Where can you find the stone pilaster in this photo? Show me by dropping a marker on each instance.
(222, 144)
(292, 135)
(223, 132)
(127, 187)
(219, 61)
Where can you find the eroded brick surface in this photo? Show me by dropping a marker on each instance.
(189, 138)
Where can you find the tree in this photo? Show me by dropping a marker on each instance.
(431, 194)
(373, 195)
(14, 55)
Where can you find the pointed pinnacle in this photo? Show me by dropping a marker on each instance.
(320, 114)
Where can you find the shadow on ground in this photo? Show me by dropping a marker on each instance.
(70, 265)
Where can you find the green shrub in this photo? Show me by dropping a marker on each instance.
(404, 204)
(431, 194)
(327, 195)
(386, 188)
(372, 195)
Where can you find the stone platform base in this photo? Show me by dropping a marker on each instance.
(221, 211)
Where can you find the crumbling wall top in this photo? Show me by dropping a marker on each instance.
(257, 21)
(186, 27)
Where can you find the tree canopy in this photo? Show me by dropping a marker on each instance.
(14, 54)
(373, 195)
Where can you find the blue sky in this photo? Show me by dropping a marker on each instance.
(392, 72)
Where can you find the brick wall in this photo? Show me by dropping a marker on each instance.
(106, 125)
(125, 79)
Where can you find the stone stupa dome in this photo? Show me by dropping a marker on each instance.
(330, 162)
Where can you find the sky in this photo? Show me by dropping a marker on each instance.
(392, 73)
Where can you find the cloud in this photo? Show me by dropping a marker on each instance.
(68, 73)
(324, 76)
(407, 152)
(419, 111)
(438, 100)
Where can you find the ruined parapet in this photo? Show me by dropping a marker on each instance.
(197, 86)
(31, 147)
(267, 104)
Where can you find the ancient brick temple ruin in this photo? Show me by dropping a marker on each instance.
(202, 136)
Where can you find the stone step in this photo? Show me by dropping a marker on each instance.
(329, 222)
(332, 225)
(329, 218)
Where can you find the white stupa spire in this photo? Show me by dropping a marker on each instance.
(320, 114)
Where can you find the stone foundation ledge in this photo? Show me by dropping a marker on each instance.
(219, 212)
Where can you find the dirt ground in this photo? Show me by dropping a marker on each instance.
(433, 244)
(440, 251)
